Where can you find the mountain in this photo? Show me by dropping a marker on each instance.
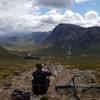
(74, 38)
(31, 38)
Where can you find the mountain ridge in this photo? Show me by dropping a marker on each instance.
(35, 37)
(65, 36)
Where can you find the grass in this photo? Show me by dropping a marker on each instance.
(9, 66)
(10, 63)
(81, 62)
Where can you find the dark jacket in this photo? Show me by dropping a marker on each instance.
(40, 76)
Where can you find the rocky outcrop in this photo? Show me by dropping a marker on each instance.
(22, 82)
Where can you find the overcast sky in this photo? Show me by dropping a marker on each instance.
(24, 16)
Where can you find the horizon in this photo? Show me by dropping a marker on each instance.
(26, 16)
(34, 32)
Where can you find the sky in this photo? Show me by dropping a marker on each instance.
(25, 16)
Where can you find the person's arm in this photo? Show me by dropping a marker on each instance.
(49, 73)
(33, 74)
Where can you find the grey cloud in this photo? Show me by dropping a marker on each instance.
(59, 3)
(71, 17)
(54, 3)
(15, 16)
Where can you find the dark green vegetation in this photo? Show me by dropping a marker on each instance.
(78, 60)
(81, 62)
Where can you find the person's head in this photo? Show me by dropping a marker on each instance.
(38, 66)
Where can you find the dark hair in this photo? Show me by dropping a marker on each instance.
(39, 66)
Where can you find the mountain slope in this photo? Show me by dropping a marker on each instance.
(2, 50)
(5, 54)
(75, 38)
(31, 38)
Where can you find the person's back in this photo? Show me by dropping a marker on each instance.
(40, 82)
(40, 76)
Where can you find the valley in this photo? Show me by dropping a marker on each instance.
(74, 47)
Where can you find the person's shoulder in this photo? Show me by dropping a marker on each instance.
(48, 73)
(44, 72)
(34, 72)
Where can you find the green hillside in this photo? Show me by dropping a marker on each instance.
(12, 62)
(2, 51)
(87, 58)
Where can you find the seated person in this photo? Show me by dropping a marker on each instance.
(40, 83)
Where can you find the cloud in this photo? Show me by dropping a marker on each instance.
(20, 16)
(17, 15)
(71, 17)
(54, 3)
(53, 18)
(91, 15)
(81, 1)
(58, 3)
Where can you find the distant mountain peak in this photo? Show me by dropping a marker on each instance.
(67, 25)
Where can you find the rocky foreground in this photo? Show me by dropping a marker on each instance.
(22, 81)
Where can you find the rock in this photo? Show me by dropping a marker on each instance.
(7, 84)
(85, 77)
(17, 73)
